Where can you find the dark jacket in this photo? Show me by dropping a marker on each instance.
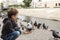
(9, 26)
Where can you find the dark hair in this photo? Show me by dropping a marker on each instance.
(11, 12)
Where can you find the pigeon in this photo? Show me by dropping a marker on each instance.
(35, 24)
(38, 26)
(55, 34)
(44, 26)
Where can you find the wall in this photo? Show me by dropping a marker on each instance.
(49, 13)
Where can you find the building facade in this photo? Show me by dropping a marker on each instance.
(46, 3)
(36, 3)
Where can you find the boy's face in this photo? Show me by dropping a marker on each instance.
(15, 16)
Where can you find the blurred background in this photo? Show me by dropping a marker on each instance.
(41, 11)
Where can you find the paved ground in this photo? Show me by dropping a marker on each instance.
(39, 34)
(36, 35)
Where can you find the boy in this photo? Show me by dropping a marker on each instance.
(10, 30)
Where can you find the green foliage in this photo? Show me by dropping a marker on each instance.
(23, 6)
(27, 3)
(15, 5)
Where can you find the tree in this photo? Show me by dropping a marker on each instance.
(27, 3)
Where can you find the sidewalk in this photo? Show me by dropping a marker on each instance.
(36, 35)
(39, 34)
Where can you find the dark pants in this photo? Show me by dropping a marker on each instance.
(12, 36)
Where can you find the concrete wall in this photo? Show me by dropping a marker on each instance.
(49, 13)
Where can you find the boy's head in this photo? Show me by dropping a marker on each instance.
(12, 13)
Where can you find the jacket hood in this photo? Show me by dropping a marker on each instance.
(5, 20)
